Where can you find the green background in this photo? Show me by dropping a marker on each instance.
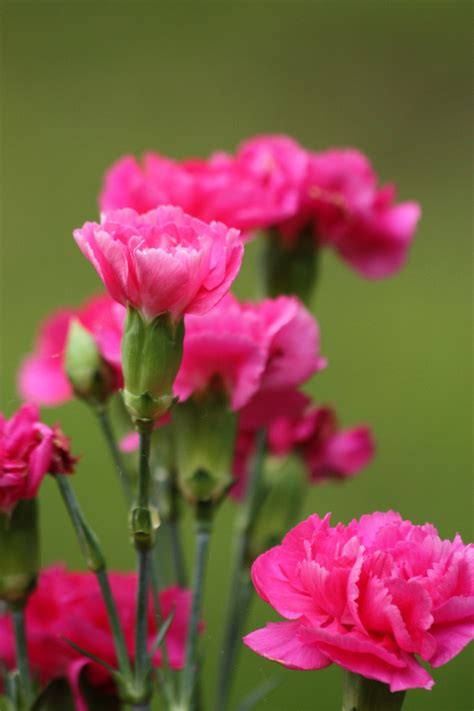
(85, 82)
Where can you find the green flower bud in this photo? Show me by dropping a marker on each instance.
(284, 485)
(151, 356)
(289, 268)
(204, 432)
(19, 552)
(91, 377)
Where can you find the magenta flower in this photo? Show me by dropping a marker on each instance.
(69, 605)
(143, 187)
(249, 348)
(351, 213)
(162, 261)
(42, 378)
(29, 450)
(259, 187)
(370, 597)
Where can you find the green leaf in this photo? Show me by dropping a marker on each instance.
(257, 694)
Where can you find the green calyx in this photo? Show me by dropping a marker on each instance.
(284, 485)
(204, 432)
(290, 268)
(151, 357)
(19, 552)
(362, 694)
(91, 377)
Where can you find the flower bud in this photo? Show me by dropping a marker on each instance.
(19, 551)
(91, 378)
(284, 486)
(151, 356)
(204, 432)
(289, 267)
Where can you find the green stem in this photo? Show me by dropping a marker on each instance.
(103, 418)
(203, 534)
(177, 552)
(96, 563)
(241, 589)
(361, 694)
(141, 629)
(18, 616)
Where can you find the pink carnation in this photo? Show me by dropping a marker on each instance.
(370, 596)
(162, 261)
(249, 348)
(157, 181)
(351, 213)
(42, 377)
(259, 187)
(29, 450)
(70, 605)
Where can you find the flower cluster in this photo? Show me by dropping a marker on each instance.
(29, 450)
(69, 606)
(272, 182)
(369, 596)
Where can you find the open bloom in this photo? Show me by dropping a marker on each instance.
(163, 261)
(350, 212)
(67, 605)
(248, 348)
(369, 596)
(156, 181)
(29, 450)
(42, 377)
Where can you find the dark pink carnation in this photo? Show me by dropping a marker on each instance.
(29, 450)
(42, 377)
(69, 605)
(351, 213)
(371, 596)
(143, 187)
(163, 261)
(249, 348)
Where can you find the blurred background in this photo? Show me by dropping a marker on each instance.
(84, 83)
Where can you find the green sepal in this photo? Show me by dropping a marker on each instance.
(289, 267)
(204, 431)
(283, 488)
(151, 356)
(91, 377)
(19, 552)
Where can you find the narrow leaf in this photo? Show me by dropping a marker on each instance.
(257, 694)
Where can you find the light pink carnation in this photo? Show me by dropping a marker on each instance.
(67, 605)
(249, 348)
(143, 187)
(259, 187)
(349, 212)
(42, 378)
(369, 596)
(29, 450)
(162, 261)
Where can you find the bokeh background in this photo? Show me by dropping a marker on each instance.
(85, 82)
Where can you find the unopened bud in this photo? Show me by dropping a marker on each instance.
(91, 377)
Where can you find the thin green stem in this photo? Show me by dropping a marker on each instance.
(141, 629)
(103, 418)
(18, 616)
(241, 589)
(96, 563)
(203, 534)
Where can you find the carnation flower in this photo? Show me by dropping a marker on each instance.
(29, 450)
(69, 606)
(163, 261)
(371, 597)
(349, 212)
(248, 348)
(42, 376)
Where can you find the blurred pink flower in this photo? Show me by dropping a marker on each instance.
(368, 596)
(143, 187)
(351, 213)
(29, 450)
(249, 348)
(42, 378)
(69, 605)
(162, 261)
